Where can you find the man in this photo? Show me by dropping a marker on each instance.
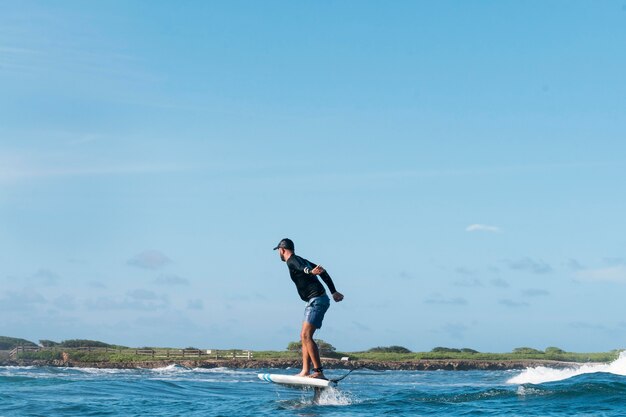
(304, 274)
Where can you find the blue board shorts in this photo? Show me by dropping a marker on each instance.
(315, 310)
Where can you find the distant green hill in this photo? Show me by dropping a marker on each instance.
(8, 343)
(75, 343)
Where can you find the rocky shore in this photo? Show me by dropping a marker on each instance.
(418, 365)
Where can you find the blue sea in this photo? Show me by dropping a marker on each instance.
(588, 390)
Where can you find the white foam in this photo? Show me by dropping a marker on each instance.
(17, 367)
(100, 370)
(170, 369)
(221, 370)
(332, 396)
(542, 374)
(523, 391)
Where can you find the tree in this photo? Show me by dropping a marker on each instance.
(389, 349)
(76, 343)
(322, 346)
(554, 350)
(48, 343)
(441, 349)
(527, 351)
(8, 343)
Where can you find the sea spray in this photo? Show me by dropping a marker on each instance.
(334, 396)
(542, 374)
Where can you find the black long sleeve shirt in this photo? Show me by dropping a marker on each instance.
(307, 284)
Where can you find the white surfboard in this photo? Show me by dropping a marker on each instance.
(301, 381)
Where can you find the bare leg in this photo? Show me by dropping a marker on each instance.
(306, 360)
(309, 344)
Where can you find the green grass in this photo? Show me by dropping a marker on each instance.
(271, 354)
(129, 356)
(404, 357)
(44, 355)
(566, 357)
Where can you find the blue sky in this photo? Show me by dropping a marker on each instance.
(458, 167)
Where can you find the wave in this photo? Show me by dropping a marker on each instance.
(177, 369)
(600, 385)
(221, 370)
(98, 371)
(174, 368)
(542, 374)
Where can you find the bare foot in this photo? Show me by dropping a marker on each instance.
(303, 373)
(318, 375)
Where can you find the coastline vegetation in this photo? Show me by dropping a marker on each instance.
(80, 350)
(401, 354)
(8, 343)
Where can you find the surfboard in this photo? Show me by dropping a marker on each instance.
(300, 381)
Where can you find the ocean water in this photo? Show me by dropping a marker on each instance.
(588, 390)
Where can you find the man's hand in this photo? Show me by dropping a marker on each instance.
(337, 296)
(318, 270)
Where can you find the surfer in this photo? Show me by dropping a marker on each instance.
(304, 274)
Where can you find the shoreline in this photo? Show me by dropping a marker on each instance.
(417, 365)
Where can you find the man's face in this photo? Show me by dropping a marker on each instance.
(281, 253)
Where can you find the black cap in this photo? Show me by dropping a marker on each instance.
(286, 244)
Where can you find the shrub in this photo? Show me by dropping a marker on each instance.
(527, 351)
(468, 350)
(76, 343)
(440, 349)
(324, 347)
(294, 346)
(88, 356)
(48, 343)
(554, 351)
(389, 349)
(46, 355)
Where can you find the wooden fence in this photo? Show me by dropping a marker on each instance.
(197, 353)
(21, 349)
(153, 353)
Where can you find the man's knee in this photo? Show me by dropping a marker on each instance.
(307, 333)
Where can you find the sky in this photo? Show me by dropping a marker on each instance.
(457, 167)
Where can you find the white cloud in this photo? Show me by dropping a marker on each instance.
(530, 265)
(439, 299)
(130, 302)
(512, 303)
(468, 283)
(482, 228)
(45, 277)
(141, 294)
(610, 274)
(149, 259)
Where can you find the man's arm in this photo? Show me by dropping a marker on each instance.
(319, 270)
